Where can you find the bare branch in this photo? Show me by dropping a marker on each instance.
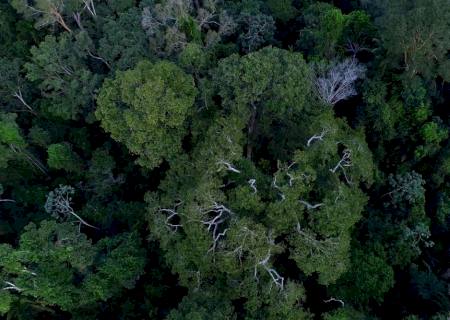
(58, 204)
(11, 286)
(19, 96)
(311, 206)
(344, 162)
(335, 300)
(172, 215)
(228, 166)
(252, 183)
(338, 83)
(316, 137)
(276, 278)
(220, 214)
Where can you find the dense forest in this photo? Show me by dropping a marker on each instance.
(225, 159)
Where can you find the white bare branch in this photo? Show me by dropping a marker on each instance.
(89, 5)
(11, 286)
(311, 206)
(335, 300)
(228, 166)
(338, 83)
(274, 184)
(252, 183)
(344, 162)
(276, 278)
(316, 137)
(19, 96)
(220, 214)
(172, 215)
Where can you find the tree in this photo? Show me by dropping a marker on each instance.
(124, 42)
(147, 109)
(262, 88)
(355, 286)
(338, 82)
(415, 35)
(59, 67)
(172, 24)
(45, 12)
(61, 156)
(55, 264)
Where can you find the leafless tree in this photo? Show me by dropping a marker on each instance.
(18, 94)
(59, 204)
(338, 82)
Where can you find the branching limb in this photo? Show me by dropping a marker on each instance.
(316, 137)
(19, 96)
(172, 215)
(220, 215)
(276, 278)
(228, 166)
(344, 162)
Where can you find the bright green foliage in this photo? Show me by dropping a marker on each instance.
(324, 26)
(61, 156)
(58, 66)
(147, 109)
(57, 265)
(10, 138)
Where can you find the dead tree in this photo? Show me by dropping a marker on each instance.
(58, 204)
(338, 83)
